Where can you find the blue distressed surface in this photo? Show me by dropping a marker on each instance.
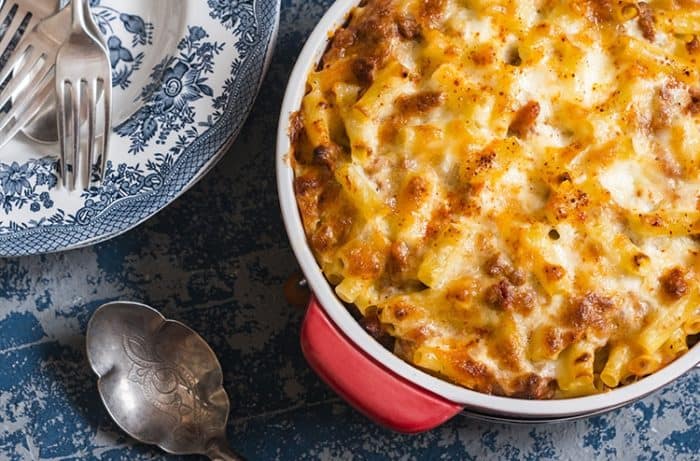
(216, 260)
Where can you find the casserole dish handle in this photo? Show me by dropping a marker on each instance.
(375, 391)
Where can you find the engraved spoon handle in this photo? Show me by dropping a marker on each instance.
(219, 451)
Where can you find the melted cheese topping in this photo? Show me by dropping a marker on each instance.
(509, 191)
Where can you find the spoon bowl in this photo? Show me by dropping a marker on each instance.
(159, 380)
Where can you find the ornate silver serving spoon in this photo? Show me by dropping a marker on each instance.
(160, 381)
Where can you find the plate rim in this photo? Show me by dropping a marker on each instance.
(7, 240)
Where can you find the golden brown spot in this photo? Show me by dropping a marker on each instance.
(324, 237)
(517, 277)
(646, 21)
(463, 290)
(402, 310)
(390, 129)
(640, 259)
(524, 302)
(668, 163)
(497, 265)
(564, 177)
(377, 27)
(369, 34)
(408, 28)
(417, 189)
(438, 220)
(694, 106)
(553, 340)
(485, 161)
(329, 233)
(343, 39)
(432, 11)
(554, 272)
(505, 296)
(500, 295)
(524, 120)
(418, 335)
(329, 197)
(296, 127)
(568, 202)
(507, 354)
(326, 155)
(589, 312)
(556, 340)
(365, 261)
(364, 69)
(533, 387)
(472, 369)
(483, 56)
(398, 258)
(600, 11)
(693, 46)
(473, 374)
(460, 294)
(305, 184)
(667, 105)
(654, 220)
(674, 283)
(417, 104)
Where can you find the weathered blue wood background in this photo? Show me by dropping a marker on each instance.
(217, 260)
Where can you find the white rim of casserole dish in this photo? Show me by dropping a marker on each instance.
(561, 408)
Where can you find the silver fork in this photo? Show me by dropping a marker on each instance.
(30, 63)
(39, 124)
(15, 12)
(82, 66)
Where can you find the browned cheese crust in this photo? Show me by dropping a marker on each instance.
(509, 191)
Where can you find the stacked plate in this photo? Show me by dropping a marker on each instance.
(185, 75)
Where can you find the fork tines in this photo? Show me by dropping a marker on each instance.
(28, 67)
(77, 99)
(24, 76)
(15, 21)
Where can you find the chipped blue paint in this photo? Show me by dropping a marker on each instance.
(217, 260)
(18, 329)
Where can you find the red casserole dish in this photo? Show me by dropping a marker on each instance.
(376, 382)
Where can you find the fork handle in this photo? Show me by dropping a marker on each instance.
(78, 7)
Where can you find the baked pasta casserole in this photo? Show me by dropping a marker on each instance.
(509, 190)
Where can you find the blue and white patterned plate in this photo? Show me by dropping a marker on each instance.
(185, 75)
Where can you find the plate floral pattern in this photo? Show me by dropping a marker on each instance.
(188, 108)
